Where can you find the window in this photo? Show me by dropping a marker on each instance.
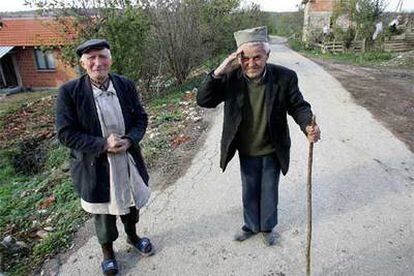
(45, 60)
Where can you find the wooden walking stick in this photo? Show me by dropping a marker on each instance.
(309, 205)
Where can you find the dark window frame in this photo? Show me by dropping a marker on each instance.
(47, 67)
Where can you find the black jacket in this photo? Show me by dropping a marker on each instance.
(78, 128)
(282, 97)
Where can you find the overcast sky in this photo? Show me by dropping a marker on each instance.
(267, 5)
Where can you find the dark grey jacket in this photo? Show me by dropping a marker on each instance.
(282, 97)
(78, 128)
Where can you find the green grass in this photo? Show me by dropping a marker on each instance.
(368, 58)
(14, 102)
(361, 59)
(56, 157)
(167, 116)
(67, 216)
(7, 171)
(23, 217)
(23, 194)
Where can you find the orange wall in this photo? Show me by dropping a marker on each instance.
(33, 78)
(321, 5)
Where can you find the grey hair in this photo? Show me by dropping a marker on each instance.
(109, 54)
(264, 45)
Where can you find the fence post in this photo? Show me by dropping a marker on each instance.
(364, 45)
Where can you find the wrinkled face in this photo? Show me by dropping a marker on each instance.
(97, 64)
(253, 60)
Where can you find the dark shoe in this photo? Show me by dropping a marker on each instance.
(269, 238)
(109, 267)
(243, 234)
(143, 246)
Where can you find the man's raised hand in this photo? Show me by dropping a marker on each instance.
(228, 65)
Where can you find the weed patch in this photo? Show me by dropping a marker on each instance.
(38, 207)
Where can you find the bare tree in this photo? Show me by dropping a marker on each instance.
(176, 31)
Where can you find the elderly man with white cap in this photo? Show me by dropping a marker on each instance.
(257, 97)
(100, 118)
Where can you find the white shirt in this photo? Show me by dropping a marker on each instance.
(127, 189)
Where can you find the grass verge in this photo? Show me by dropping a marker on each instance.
(360, 59)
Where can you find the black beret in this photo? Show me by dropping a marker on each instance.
(96, 44)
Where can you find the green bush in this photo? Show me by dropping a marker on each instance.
(299, 46)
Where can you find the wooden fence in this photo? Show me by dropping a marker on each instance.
(334, 46)
(396, 46)
(398, 43)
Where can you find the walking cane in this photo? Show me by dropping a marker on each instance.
(309, 209)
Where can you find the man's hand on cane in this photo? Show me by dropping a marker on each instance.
(313, 133)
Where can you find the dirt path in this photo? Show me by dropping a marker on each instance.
(387, 93)
(363, 194)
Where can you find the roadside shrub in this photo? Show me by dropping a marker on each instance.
(300, 46)
(31, 156)
(377, 56)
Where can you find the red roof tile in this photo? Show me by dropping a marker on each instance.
(31, 32)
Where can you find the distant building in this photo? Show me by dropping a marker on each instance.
(30, 54)
(317, 14)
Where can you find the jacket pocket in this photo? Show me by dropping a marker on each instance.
(83, 173)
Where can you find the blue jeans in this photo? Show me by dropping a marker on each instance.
(260, 184)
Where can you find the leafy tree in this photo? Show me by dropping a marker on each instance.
(124, 25)
(367, 14)
(361, 15)
(154, 42)
(221, 18)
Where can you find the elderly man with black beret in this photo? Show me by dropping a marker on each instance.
(100, 118)
(257, 97)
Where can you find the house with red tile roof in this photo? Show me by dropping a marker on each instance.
(30, 54)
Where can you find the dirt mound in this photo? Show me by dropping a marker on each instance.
(26, 133)
(401, 60)
(35, 120)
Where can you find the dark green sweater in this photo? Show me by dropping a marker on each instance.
(253, 134)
